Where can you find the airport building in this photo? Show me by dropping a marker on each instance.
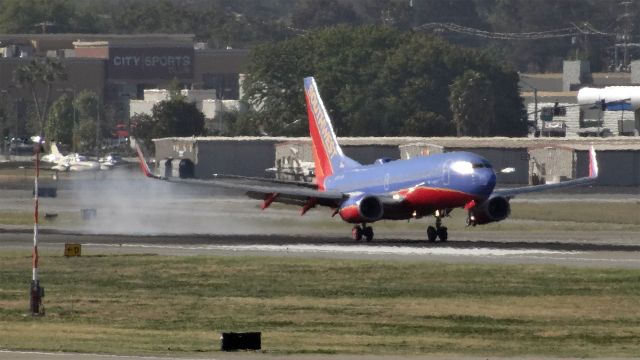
(517, 161)
(119, 68)
(554, 110)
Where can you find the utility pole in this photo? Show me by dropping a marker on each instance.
(624, 36)
(98, 128)
(535, 102)
(36, 291)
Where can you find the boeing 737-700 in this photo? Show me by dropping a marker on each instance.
(388, 190)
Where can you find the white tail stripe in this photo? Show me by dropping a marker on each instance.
(593, 163)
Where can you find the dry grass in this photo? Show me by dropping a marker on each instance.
(627, 213)
(178, 305)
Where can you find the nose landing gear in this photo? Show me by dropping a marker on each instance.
(438, 231)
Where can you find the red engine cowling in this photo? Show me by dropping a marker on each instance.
(495, 208)
(365, 209)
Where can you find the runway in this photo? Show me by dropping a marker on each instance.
(135, 215)
(497, 252)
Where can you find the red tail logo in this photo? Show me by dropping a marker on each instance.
(327, 154)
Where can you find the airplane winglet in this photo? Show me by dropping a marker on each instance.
(593, 163)
(143, 163)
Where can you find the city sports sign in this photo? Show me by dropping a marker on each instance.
(151, 63)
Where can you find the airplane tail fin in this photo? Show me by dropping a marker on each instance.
(327, 154)
(143, 163)
(54, 149)
(593, 163)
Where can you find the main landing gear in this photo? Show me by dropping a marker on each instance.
(438, 231)
(358, 232)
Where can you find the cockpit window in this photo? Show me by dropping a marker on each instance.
(482, 165)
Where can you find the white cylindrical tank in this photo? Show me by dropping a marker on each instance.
(592, 96)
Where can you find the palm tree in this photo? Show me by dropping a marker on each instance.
(39, 75)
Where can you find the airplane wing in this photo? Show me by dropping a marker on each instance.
(591, 179)
(268, 190)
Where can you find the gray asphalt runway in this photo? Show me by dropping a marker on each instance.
(589, 255)
(135, 214)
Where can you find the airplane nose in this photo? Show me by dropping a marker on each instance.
(486, 180)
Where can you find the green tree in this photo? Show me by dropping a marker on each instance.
(309, 14)
(84, 130)
(142, 129)
(38, 16)
(374, 82)
(60, 122)
(177, 118)
(38, 76)
(472, 104)
(175, 90)
(345, 61)
(91, 123)
(169, 118)
(426, 124)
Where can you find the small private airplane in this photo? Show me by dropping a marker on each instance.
(423, 186)
(70, 162)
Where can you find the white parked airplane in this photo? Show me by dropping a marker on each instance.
(71, 162)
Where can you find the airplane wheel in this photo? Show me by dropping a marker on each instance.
(443, 234)
(356, 233)
(367, 232)
(431, 234)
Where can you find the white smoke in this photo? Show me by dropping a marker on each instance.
(126, 202)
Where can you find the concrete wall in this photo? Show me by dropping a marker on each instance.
(367, 154)
(176, 149)
(617, 167)
(410, 151)
(550, 163)
(234, 157)
(250, 157)
(635, 72)
(575, 73)
(364, 154)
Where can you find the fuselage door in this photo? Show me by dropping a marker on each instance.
(386, 182)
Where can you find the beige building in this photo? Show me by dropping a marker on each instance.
(119, 68)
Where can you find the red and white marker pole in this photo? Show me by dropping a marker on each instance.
(36, 292)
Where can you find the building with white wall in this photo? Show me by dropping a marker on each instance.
(205, 100)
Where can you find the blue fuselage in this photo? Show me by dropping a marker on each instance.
(449, 178)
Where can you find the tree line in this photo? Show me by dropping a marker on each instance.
(376, 81)
(81, 121)
(247, 23)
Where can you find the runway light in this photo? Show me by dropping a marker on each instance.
(415, 213)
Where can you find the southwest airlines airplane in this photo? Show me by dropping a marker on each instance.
(387, 190)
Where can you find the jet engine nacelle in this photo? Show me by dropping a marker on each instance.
(363, 209)
(495, 208)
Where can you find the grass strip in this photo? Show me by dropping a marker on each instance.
(144, 304)
(533, 217)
